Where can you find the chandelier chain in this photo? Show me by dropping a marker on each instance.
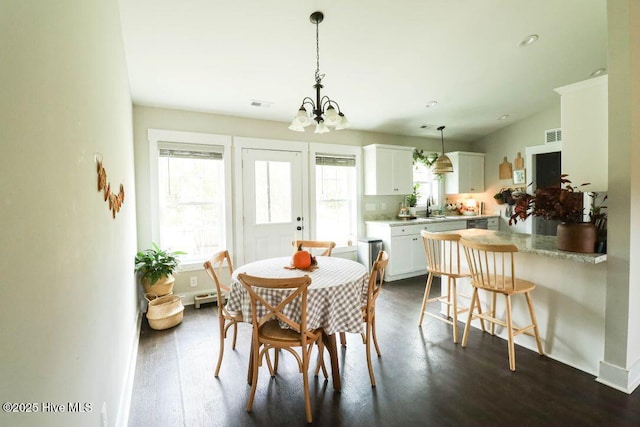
(318, 77)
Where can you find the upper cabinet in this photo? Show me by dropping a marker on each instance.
(388, 170)
(467, 175)
(585, 127)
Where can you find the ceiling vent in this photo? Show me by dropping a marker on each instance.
(552, 135)
(261, 104)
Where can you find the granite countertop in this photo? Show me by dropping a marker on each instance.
(422, 220)
(530, 243)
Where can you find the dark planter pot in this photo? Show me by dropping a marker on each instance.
(579, 237)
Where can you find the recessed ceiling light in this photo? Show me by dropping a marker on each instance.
(528, 40)
(503, 117)
(597, 72)
(432, 104)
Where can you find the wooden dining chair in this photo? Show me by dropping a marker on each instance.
(226, 318)
(311, 245)
(493, 270)
(266, 316)
(368, 312)
(328, 247)
(443, 260)
(376, 279)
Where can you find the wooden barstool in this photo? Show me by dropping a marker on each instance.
(443, 260)
(493, 270)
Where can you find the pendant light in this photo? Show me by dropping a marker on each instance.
(324, 110)
(443, 163)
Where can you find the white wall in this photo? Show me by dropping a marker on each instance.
(68, 310)
(507, 142)
(159, 118)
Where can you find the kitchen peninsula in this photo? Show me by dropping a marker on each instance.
(569, 299)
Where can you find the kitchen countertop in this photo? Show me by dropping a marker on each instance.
(530, 243)
(423, 220)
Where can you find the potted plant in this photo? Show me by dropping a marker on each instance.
(412, 199)
(156, 267)
(563, 202)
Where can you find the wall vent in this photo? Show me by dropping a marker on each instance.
(552, 135)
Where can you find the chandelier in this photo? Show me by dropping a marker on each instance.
(443, 163)
(325, 111)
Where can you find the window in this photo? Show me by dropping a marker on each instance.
(336, 215)
(189, 197)
(428, 184)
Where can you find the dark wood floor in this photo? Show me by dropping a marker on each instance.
(422, 379)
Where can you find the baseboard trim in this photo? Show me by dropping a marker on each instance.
(127, 388)
(621, 379)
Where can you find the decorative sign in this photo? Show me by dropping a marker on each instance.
(519, 176)
(115, 200)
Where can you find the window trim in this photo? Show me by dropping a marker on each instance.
(209, 142)
(316, 148)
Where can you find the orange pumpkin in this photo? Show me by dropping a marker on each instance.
(301, 259)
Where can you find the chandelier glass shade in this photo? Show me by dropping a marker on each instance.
(443, 163)
(323, 110)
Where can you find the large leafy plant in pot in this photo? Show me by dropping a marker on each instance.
(156, 267)
(563, 202)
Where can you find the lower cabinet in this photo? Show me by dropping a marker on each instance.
(404, 245)
(493, 224)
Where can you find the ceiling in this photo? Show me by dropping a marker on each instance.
(383, 61)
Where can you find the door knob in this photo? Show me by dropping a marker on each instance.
(298, 228)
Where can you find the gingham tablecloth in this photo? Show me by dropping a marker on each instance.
(338, 289)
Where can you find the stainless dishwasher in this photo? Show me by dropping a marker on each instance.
(478, 223)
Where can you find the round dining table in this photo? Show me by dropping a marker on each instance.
(334, 299)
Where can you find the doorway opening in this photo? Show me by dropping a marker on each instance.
(547, 171)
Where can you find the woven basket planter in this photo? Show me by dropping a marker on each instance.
(163, 286)
(164, 312)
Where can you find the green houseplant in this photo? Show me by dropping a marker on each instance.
(563, 202)
(426, 159)
(412, 199)
(156, 267)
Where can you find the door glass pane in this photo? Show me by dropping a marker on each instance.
(273, 192)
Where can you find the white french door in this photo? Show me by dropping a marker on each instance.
(272, 202)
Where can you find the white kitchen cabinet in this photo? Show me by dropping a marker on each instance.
(467, 175)
(388, 170)
(403, 244)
